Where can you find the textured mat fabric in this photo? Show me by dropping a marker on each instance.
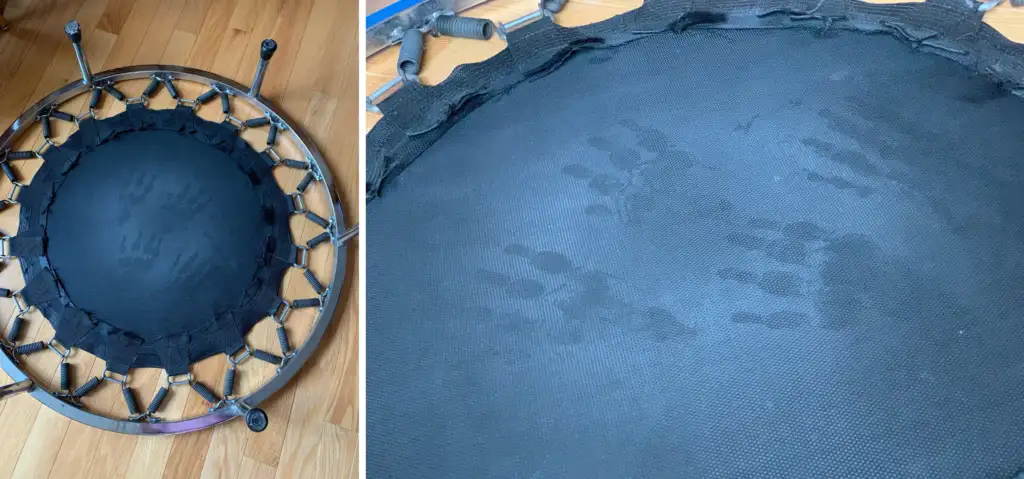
(723, 253)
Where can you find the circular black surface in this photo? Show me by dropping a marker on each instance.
(155, 233)
(729, 253)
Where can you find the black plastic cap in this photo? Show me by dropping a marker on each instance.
(257, 420)
(267, 49)
(74, 31)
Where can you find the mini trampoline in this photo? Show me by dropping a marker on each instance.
(705, 239)
(157, 230)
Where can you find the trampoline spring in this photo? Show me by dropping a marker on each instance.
(229, 382)
(205, 392)
(129, 400)
(157, 401)
(258, 121)
(63, 116)
(4, 292)
(9, 172)
(265, 356)
(306, 180)
(553, 6)
(272, 134)
(306, 303)
(151, 88)
(317, 219)
(169, 85)
(320, 238)
(94, 100)
(205, 97)
(15, 331)
(410, 53)
(21, 155)
(315, 283)
(65, 376)
(30, 348)
(298, 205)
(463, 27)
(87, 387)
(298, 165)
(47, 128)
(114, 92)
(282, 338)
(225, 103)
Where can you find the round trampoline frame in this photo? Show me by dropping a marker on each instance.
(231, 408)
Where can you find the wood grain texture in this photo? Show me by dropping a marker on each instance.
(443, 54)
(311, 432)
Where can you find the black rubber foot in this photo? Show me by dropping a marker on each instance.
(257, 420)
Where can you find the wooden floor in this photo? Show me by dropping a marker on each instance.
(443, 54)
(314, 420)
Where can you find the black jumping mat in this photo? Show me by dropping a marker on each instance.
(153, 238)
(774, 240)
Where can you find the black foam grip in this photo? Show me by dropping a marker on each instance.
(225, 103)
(298, 165)
(47, 128)
(21, 155)
(267, 48)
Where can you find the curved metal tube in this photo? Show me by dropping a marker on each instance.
(236, 407)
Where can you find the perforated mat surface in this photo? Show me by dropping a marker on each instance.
(722, 253)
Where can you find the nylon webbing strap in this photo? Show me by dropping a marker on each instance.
(121, 350)
(174, 353)
(73, 327)
(415, 116)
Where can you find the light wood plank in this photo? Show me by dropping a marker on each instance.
(336, 453)
(253, 469)
(158, 36)
(132, 35)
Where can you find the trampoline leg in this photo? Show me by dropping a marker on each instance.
(16, 388)
(74, 31)
(267, 49)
